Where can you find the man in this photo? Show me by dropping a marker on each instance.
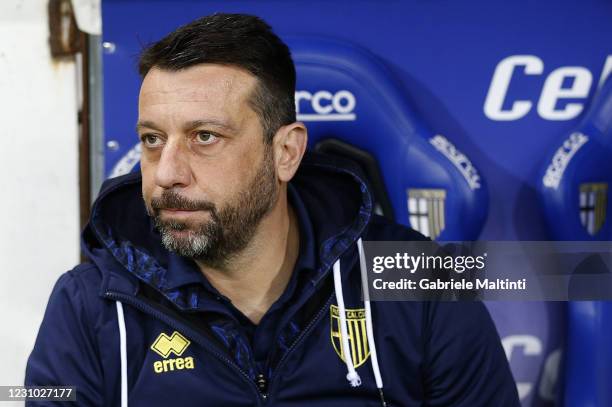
(237, 281)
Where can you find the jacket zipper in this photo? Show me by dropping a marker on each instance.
(144, 307)
(305, 332)
(328, 301)
(300, 338)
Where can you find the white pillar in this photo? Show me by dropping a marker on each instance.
(39, 200)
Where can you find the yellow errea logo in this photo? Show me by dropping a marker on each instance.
(164, 344)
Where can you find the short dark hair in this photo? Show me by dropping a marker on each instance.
(240, 40)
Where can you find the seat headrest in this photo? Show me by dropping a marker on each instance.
(575, 181)
(346, 93)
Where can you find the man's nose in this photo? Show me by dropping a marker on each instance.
(173, 167)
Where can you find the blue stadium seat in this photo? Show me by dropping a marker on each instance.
(353, 104)
(588, 356)
(575, 198)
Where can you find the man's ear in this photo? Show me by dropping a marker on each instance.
(289, 147)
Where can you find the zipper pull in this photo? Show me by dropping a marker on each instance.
(262, 385)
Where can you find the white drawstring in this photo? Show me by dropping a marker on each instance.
(353, 376)
(123, 353)
(369, 329)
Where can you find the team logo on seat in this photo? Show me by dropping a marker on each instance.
(593, 202)
(356, 330)
(175, 345)
(426, 211)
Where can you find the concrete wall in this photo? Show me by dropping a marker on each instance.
(39, 211)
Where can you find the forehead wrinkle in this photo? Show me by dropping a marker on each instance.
(223, 94)
(220, 90)
(203, 80)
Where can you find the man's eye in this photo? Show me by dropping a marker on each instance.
(204, 137)
(150, 140)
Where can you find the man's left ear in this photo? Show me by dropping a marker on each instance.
(289, 147)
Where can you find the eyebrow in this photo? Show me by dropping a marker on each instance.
(146, 124)
(189, 125)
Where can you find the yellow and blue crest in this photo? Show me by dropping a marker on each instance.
(356, 330)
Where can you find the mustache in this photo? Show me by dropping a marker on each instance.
(172, 200)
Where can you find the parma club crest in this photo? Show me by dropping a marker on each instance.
(356, 329)
(593, 202)
(426, 211)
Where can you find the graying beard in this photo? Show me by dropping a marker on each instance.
(194, 246)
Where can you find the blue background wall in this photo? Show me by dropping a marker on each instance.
(445, 54)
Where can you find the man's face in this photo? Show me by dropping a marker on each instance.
(208, 178)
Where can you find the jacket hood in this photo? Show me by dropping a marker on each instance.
(120, 235)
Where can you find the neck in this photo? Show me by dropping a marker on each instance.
(257, 276)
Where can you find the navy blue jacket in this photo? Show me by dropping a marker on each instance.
(185, 346)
